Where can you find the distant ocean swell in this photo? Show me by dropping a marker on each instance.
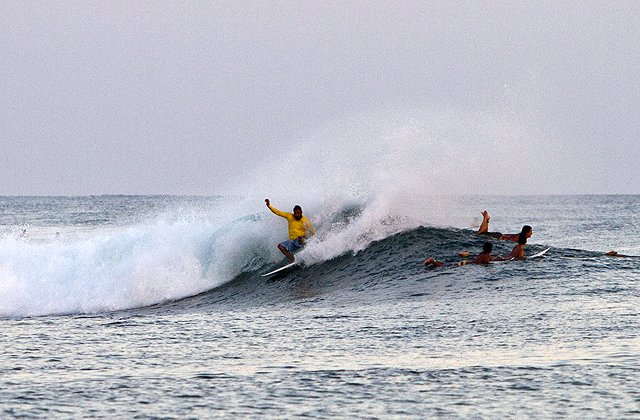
(148, 264)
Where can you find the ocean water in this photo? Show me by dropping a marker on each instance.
(125, 306)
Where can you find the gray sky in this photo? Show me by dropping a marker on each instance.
(209, 97)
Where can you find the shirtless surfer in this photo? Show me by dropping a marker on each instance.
(616, 254)
(484, 230)
(299, 229)
(484, 257)
(517, 253)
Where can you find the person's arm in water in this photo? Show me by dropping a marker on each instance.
(275, 210)
(513, 237)
(432, 262)
(526, 233)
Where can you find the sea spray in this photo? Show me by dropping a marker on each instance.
(178, 253)
(132, 267)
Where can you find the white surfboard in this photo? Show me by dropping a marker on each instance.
(539, 254)
(280, 269)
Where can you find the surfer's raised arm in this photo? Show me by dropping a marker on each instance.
(275, 210)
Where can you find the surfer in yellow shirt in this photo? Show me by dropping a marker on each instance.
(299, 228)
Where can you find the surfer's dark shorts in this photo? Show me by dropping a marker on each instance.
(496, 235)
(292, 246)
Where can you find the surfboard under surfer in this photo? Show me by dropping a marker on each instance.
(299, 229)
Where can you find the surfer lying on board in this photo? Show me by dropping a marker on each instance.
(517, 253)
(615, 254)
(484, 257)
(484, 230)
(299, 228)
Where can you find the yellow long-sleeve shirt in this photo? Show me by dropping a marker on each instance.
(297, 228)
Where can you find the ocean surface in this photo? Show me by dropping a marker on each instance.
(154, 306)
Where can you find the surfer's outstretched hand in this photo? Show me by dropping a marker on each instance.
(266, 201)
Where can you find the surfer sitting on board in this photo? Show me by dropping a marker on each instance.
(299, 228)
(484, 230)
(483, 258)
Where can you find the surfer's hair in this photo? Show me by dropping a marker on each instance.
(487, 247)
(296, 207)
(522, 238)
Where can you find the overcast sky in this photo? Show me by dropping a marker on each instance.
(186, 97)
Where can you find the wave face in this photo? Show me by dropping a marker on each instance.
(391, 270)
(96, 254)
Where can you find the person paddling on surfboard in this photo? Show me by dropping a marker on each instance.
(517, 253)
(484, 257)
(299, 228)
(484, 230)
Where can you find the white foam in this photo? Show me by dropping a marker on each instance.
(128, 267)
(357, 185)
(173, 256)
